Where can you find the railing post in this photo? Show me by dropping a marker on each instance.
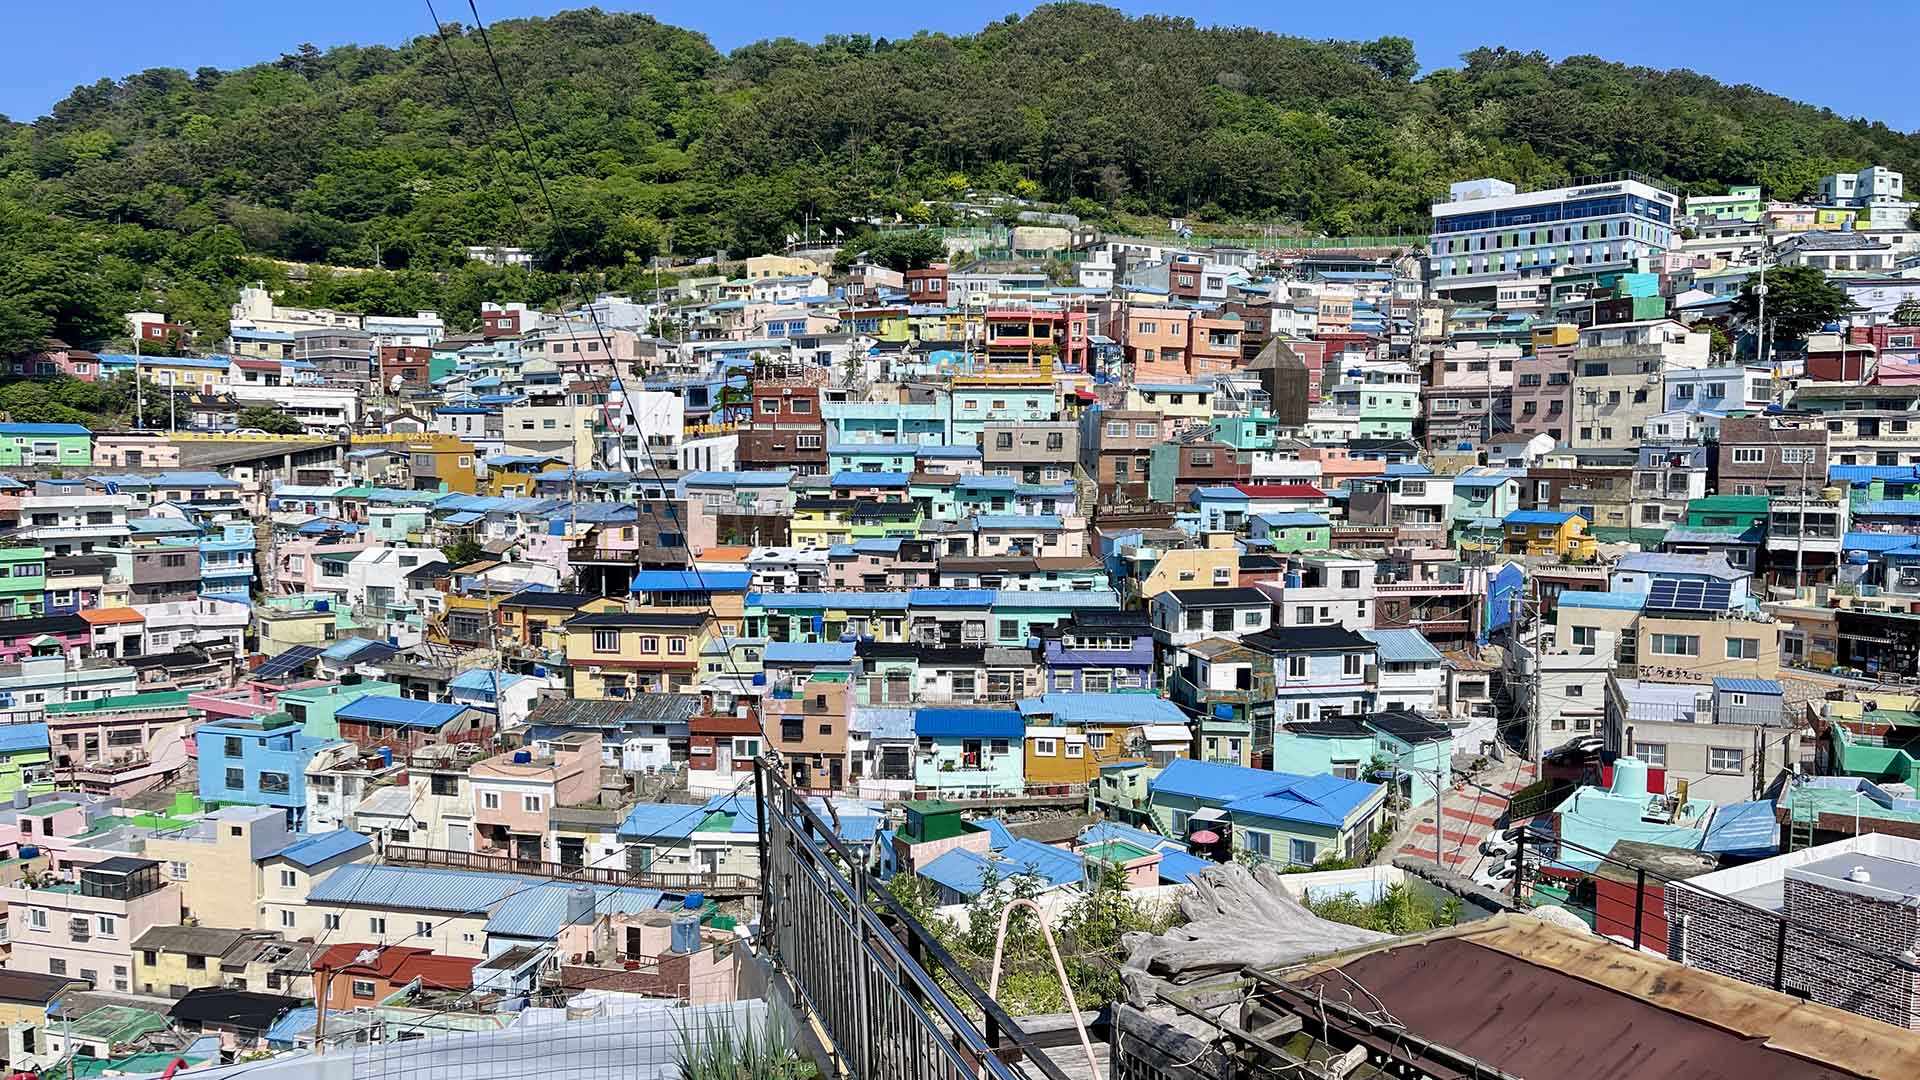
(1639, 902)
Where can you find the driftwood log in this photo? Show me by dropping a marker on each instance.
(1235, 917)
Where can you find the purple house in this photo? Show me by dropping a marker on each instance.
(1100, 651)
(44, 635)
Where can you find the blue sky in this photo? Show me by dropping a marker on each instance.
(1851, 66)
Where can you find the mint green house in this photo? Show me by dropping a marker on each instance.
(316, 706)
(1412, 752)
(45, 444)
(26, 759)
(1740, 203)
(1292, 532)
(23, 580)
(1289, 819)
(1388, 410)
(1255, 430)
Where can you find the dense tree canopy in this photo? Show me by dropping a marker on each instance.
(1800, 300)
(166, 189)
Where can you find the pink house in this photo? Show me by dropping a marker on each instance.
(302, 566)
(1338, 465)
(514, 794)
(59, 358)
(44, 635)
(87, 927)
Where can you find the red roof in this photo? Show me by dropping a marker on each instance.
(1280, 491)
(399, 964)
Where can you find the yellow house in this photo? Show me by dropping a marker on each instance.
(1556, 334)
(434, 461)
(1548, 532)
(778, 266)
(213, 863)
(534, 618)
(624, 654)
(1215, 564)
(1058, 754)
(820, 523)
(171, 960)
(187, 373)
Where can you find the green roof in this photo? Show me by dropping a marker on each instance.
(1115, 851)
(154, 699)
(115, 1024)
(1734, 504)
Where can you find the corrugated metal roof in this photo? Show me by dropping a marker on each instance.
(806, 652)
(1747, 686)
(540, 911)
(451, 892)
(316, 848)
(1111, 708)
(968, 723)
(402, 712)
(1406, 646)
(1748, 829)
(1610, 601)
(23, 737)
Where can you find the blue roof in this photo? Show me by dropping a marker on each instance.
(23, 737)
(1407, 646)
(485, 679)
(957, 452)
(1294, 519)
(464, 517)
(690, 581)
(1178, 867)
(804, 652)
(1213, 781)
(1100, 832)
(935, 723)
(1879, 542)
(539, 910)
(1887, 508)
(44, 429)
(1476, 480)
(401, 712)
(933, 598)
(1018, 521)
(1748, 830)
(1860, 474)
(1107, 708)
(870, 479)
(193, 479)
(1408, 468)
(856, 601)
(312, 849)
(413, 888)
(965, 872)
(1318, 800)
(1747, 686)
(1538, 517)
(663, 820)
(987, 483)
(1609, 601)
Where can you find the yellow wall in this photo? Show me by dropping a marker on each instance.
(170, 969)
(223, 882)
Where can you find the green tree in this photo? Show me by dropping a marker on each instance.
(463, 551)
(1800, 300)
(1392, 57)
(271, 421)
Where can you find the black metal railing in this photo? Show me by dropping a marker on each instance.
(892, 1000)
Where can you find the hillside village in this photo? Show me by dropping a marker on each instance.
(1549, 576)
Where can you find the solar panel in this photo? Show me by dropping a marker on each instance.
(1689, 594)
(287, 662)
(1719, 595)
(1670, 594)
(1660, 593)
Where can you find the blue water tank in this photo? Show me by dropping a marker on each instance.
(694, 901)
(523, 757)
(323, 605)
(686, 933)
(386, 756)
(28, 851)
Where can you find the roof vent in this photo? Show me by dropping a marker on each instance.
(1859, 876)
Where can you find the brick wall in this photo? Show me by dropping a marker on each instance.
(1718, 934)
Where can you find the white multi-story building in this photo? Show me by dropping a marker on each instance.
(1488, 232)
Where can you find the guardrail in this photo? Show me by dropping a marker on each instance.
(865, 967)
(711, 884)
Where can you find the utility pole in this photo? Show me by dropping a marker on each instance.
(1800, 532)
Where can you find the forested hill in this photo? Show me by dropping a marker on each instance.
(160, 190)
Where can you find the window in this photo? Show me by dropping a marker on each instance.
(274, 783)
(363, 988)
(232, 746)
(1350, 664)
(489, 800)
(1301, 852)
(107, 925)
(1653, 753)
(677, 646)
(330, 921)
(1076, 749)
(649, 644)
(422, 928)
(286, 918)
(1743, 648)
(533, 804)
(196, 963)
(1749, 455)
(1258, 843)
(1676, 645)
(1725, 759)
(376, 924)
(236, 779)
(289, 879)
(1043, 747)
(1296, 667)
(606, 641)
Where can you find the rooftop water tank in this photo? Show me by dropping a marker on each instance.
(1629, 777)
(686, 933)
(523, 757)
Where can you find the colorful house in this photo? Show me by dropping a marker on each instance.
(23, 580)
(1548, 532)
(1281, 818)
(969, 750)
(26, 758)
(46, 445)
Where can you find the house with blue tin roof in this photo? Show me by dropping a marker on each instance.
(961, 751)
(962, 874)
(1283, 818)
